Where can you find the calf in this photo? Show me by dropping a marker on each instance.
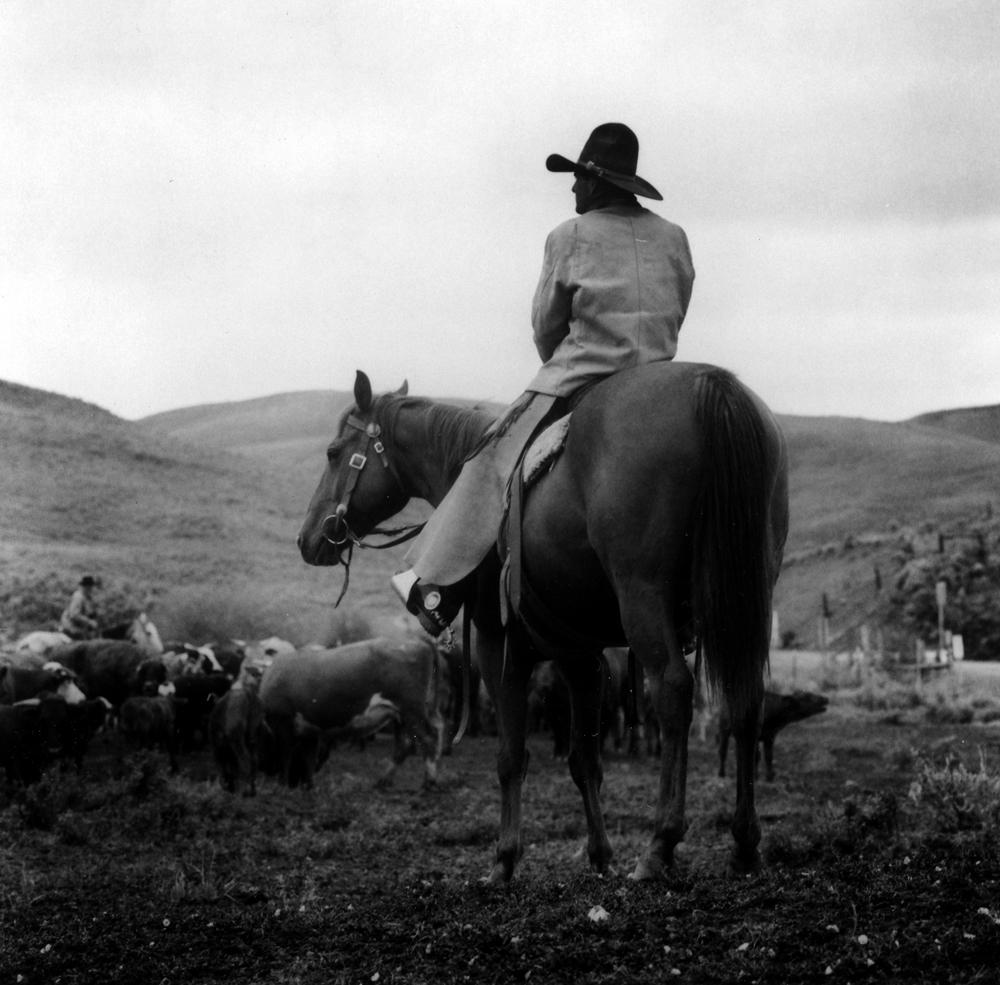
(779, 710)
(83, 722)
(329, 688)
(229, 655)
(150, 722)
(21, 683)
(194, 697)
(30, 736)
(549, 703)
(234, 725)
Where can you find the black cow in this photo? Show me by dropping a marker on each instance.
(549, 703)
(234, 726)
(30, 737)
(150, 723)
(83, 722)
(19, 683)
(194, 697)
(779, 710)
(230, 655)
(105, 668)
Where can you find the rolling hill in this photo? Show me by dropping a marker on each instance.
(82, 490)
(207, 500)
(969, 422)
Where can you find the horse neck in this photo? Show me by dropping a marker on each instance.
(428, 442)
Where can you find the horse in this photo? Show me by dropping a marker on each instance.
(141, 631)
(661, 526)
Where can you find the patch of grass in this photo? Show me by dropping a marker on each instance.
(944, 712)
(881, 693)
(204, 614)
(956, 797)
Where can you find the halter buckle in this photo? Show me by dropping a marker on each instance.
(358, 461)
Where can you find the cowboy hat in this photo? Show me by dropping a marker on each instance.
(88, 581)
(611, 152)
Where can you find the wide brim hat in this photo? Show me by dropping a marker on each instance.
(88, 581)
(612, 153)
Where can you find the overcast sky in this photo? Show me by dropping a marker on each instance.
(204, 202)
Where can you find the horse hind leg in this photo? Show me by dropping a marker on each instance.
(745, 828)
(586, 678)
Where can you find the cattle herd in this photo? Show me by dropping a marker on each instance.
(267, 705)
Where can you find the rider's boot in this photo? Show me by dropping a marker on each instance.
(435, 606)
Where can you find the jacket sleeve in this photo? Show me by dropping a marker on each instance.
(75, 613)
(552, 307)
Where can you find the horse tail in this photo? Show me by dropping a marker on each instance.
(735, 554)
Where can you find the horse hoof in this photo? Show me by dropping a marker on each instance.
(744, 865)
(499, 876)
(649, 870)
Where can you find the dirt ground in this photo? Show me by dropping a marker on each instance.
(129, 875)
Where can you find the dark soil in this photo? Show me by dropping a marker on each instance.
(129, 875)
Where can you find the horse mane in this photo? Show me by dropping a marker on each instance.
(449, 433)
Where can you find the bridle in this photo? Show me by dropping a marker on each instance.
(340, 533)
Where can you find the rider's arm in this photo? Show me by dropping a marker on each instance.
(552, 307)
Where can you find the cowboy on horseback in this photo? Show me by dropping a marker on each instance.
(79, 618)
(613, 292)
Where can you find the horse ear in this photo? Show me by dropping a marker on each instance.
(362, 391)
(404, 389)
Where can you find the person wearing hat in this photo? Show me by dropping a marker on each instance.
(614, 289)
(79, 618)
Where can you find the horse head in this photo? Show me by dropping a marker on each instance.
(359, 487)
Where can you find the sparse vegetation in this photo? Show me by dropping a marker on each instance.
(37, 602)
(959, 798)
(869, 858)
(222, 613)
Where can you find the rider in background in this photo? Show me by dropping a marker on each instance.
(613, 292)
(79, 618)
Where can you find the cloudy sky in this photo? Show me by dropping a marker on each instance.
(210, 202)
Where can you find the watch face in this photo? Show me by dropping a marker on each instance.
(432, 600)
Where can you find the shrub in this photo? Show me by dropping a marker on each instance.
(943, 712)
(37, 601)
(883, 694)
(202, 615)
(958, 799)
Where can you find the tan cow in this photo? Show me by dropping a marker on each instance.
(330, 687)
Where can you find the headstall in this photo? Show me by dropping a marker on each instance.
(340, 532)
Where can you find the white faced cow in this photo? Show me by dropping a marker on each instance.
(330, 687)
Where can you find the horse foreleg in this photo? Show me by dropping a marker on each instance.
(671, 693)
(507, 683)
(431, 736)
(586, 679)
(746, 827)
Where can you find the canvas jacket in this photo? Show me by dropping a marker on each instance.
(80, 615)
(613, 292)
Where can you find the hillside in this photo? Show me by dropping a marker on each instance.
(848, 475)
(207, 501)
(860, 489)
(82, 490)
(285, 428)
(971, 422)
